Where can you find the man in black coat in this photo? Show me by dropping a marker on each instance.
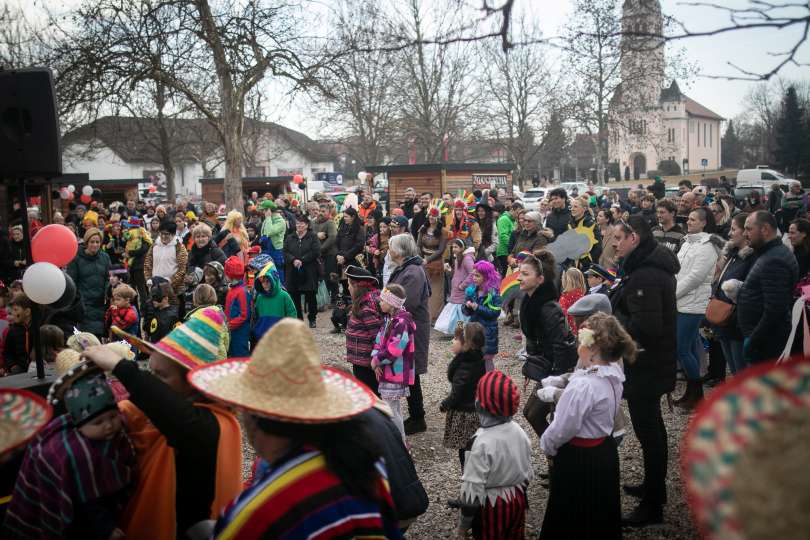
(560, 216)
(301, 252)
(765, 299)
(644, 302)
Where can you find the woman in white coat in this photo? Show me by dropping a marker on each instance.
(698, 256)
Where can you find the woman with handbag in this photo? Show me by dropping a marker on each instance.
(550, 345)
(737, 261)
(698, 257)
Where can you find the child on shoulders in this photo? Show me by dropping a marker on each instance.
(392, 357)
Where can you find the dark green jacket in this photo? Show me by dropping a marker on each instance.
(90, 273)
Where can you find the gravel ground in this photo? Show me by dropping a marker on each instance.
(440, 472)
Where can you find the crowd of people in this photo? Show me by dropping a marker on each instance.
(697, 286)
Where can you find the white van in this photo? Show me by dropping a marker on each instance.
(759, 177)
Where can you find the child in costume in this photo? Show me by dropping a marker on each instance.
(164, 315)
(497, 465)
(237, 308)
(573, 288)
(584, 500)
(214, 275)
(463, 372)
(462, 270)
(122, 312)
(483, 305)
(271, 302)
(272, 234)
(78, 474)
(392, 357)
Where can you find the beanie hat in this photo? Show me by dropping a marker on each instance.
(497, 394)
(234, 268)
(91, 216)
(90, 233)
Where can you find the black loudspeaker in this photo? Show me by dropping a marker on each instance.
(29, 127)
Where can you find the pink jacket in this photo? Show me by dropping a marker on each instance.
(462, 276)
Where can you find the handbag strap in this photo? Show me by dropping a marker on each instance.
(720, 277)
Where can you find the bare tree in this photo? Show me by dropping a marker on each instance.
(517, 98)
(216, 53)
(438, 92)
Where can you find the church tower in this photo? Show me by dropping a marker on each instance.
(642, 49)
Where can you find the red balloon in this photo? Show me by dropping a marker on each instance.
(55, 244)
(297, 179)
(86, 199)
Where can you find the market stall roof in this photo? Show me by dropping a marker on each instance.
(249, 179)
(419, 167)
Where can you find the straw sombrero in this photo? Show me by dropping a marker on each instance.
(745, 455)
(201, 340)
(22, 415)
(285, 380)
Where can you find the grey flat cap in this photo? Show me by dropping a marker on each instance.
(590, 304)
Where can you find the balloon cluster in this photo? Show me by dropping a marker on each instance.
(52, 247)
(87, 195)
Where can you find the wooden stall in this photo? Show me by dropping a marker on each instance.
(439, 178)
(213, 188)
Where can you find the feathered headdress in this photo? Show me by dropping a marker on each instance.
(438, 208)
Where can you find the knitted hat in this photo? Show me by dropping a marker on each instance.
(22, 415)
(745, 452)
(497, 394)
(90, 233)
(285, 380)
(234, 268)
(198, 341)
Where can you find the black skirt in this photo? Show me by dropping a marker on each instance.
(584, 500)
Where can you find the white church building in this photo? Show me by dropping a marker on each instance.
(651, 122)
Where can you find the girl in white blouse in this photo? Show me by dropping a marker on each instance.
(584, 497)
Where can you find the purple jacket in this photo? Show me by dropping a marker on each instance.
(462, 276)
(362, 329)
(394, 349)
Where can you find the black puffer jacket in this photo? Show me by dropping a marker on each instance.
(199, 257)
(558, 220)
(644, 302)
(350, 240)
(463, 372)
(546, 329)
(766, 298)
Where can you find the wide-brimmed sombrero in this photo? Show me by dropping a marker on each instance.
(746, 452)
(202, 339)
(22, 415)
(284, 380)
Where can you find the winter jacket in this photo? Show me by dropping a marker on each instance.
(412, 277)
(161, 322)
(546, 330)
(17, 348)
(125, 319)
(698, 258)
(274, 228)
(199, 257)
(567, 299)
(765, 300)
(270, 305)
(306, 249)
(237, 310)
(505, 226)
(792, 205)
(362, 328)
(177, 279)
(90, 274)
(462, 277)
(350, 241)
(528, 242)
(328, 244)
(736, 265)
(671, 239)
(394, 348)
(644, 303)
(487, 312)
(463, 372)
(558, 220)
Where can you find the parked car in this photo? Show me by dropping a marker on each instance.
(759, 177)
(532, 198)
(672, 192)
(574, 188)
(741, 193)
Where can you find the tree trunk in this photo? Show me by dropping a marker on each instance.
(233, 166)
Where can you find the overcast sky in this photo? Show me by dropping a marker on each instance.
(750, 49)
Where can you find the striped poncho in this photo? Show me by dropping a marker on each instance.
(301, 498)
(70, 486)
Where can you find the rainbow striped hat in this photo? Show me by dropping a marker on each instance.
(201, 340)
(22, 415)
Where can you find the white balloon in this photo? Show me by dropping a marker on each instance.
(71, 188)
(87, 190)
(43, 283)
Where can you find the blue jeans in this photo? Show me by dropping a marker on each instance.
(733, 351)
(688, 342)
